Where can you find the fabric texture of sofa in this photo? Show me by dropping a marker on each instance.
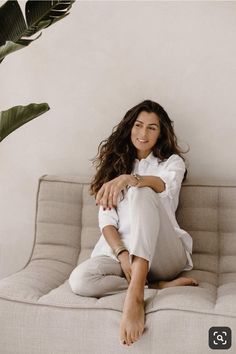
(40, 314)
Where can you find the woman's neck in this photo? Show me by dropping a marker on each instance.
(143, 155)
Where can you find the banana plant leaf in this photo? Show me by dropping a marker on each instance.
(39, 15)
(10, 47)
(17, 116)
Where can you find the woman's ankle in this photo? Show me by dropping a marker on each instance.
(136, 293)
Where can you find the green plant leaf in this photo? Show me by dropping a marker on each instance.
(17, 116)
(37, 11)
(10, 47)
(39, 15)
(12, 22)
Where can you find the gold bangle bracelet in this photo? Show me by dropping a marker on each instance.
(138, 178)
(119, 249)
(125, 249)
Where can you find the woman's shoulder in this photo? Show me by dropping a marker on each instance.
(174, 159)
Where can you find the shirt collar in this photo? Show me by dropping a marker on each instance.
(151, 159)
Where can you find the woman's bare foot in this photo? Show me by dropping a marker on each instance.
(182, 281)
(132, 321)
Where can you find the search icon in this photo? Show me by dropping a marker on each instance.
(220, 337)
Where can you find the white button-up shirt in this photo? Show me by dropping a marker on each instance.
(171, 171)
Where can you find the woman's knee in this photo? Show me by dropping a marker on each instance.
(77, 280)
(80, 280)
(85, 278)
(145, 193)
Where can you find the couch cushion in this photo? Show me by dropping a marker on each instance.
(67, 226)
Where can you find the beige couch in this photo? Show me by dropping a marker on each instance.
(40, 314)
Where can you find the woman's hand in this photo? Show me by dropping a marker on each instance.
(125, 264)
(107, 195)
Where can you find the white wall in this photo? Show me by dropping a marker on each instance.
(94, 65)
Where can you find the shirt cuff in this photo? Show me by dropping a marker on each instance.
(107, 217)
(169, 178)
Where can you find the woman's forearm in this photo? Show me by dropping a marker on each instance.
(112, 236)
(156, 183)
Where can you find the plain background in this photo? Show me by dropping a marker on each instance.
(94, 65)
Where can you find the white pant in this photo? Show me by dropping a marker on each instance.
(153, 238)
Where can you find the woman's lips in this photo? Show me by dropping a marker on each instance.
(142, 141)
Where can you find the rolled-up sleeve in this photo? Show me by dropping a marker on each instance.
(107, 217)
(172, 175)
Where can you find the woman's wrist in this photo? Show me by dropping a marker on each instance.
(134, 180)
(120, 248)
(122, 255)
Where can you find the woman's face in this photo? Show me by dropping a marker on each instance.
(145, 133)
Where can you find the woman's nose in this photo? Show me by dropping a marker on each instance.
(143, 133)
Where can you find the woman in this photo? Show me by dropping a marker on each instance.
(139, 174)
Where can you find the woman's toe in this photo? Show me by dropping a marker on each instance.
(194, 282)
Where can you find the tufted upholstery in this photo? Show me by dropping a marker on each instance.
(66, 230)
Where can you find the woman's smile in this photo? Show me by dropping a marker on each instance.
(142, 141)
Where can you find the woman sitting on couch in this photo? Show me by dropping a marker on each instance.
(140, 170)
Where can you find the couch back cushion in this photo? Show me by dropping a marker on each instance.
(67, 229)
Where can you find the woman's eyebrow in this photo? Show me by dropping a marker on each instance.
(148, 124)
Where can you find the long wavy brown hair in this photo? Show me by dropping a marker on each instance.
(116, 154)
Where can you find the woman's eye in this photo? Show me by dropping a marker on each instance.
(152, 128)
